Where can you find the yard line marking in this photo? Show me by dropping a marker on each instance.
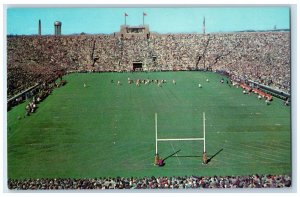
(265, 161)
(264, 153)
(252, 154)
(285, 144)
(280, 150)
(241, 132)
(175, 154)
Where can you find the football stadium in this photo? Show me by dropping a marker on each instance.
(137, 109)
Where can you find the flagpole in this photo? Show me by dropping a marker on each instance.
(144, 14)
(204, 25)
(125, 17)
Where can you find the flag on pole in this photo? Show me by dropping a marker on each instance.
(145, 14)
(126, 14)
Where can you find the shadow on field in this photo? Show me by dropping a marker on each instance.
(214, 155)
(198, 155)
(171, 155)
(187, 156)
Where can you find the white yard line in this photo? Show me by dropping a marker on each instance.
(262, 152)
(252, 154)
(281, 151)
(176, 154)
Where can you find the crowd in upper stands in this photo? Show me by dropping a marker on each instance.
(263, 57)
(175, 182)
(252, 56)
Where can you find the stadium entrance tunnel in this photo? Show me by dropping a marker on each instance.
(137, 66)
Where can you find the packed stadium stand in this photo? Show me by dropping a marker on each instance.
(263, 57)
(184, 182)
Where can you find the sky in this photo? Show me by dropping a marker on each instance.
(160, 19)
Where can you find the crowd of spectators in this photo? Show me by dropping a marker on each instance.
(175, 182)
(263, 57)
(43, 91)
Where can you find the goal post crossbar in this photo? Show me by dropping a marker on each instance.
(178, 139)
(182, 139)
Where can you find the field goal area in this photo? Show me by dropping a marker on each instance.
(158, 140)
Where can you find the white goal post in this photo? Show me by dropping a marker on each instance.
(178, 139)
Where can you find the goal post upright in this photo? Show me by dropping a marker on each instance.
(204, 132)
(157, 160)
(156, 133)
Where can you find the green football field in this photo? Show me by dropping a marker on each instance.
(106, 130)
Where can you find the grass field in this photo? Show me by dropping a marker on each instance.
(109, 130)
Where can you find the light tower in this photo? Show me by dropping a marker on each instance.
(203, 27)
(57, 28)
(40, 28)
